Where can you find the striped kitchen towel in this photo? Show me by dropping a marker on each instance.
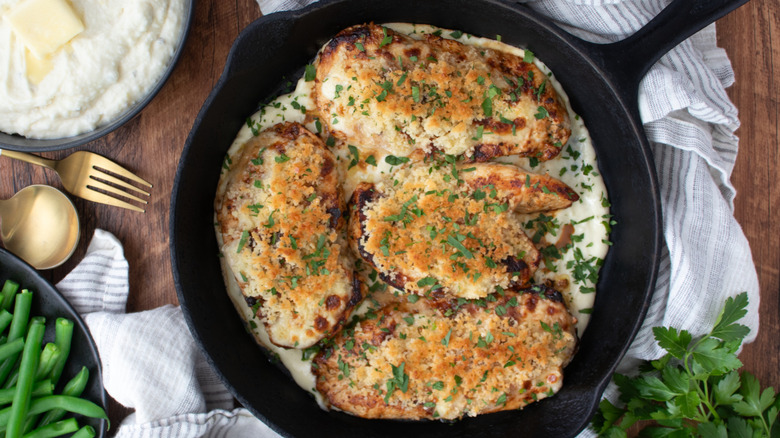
(690, 123)
(150, 360)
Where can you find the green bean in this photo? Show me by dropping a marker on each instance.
(63, 334)
(5, 319)
(40, 389)
(11, 348)
(73, 388)
(29, 365)
(65, 402)
(85, 432)
(49, 356)
(22, 305)
(9, 291)
(21, 317)
(55, 429)
(76, 385)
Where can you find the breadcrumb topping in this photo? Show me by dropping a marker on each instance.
(282, 229)
(439, 360)
(438, 233)
(381, 88)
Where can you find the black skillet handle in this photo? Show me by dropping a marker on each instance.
(628, 60)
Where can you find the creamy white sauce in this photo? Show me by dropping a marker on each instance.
(121, 54)
(589, 216)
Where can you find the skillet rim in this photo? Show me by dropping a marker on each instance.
(289, 18)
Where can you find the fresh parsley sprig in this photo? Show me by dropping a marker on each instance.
(695, 389)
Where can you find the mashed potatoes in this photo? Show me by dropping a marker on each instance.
(122, 52)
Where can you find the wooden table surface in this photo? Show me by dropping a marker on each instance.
(151, 144)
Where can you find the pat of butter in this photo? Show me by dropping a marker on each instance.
(37, 68)
(44, 25)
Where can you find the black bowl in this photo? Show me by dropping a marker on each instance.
(277, 46)
(17, 142)
(48, 302)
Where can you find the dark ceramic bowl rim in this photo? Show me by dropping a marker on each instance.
(20, 143)
(53, 298)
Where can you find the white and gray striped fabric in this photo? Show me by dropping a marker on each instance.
(150, 360)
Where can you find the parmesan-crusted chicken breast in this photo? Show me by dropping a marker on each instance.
(449, 359)
(452, 230)
(380, 88)
(282, 228)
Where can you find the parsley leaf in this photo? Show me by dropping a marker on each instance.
(394, 161)
(310, 73)
(355, 156)
(695, 389)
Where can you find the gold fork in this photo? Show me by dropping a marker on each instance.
(84, 173)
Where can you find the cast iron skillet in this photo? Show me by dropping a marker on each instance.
(602, 82)
(16, 142)
(48, 302)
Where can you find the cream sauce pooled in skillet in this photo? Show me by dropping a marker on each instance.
(573, 241)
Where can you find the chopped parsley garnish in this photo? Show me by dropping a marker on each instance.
(401, 79)
(480, 130)
(487, 107)
(416, 94)
(270, 222)
(400, 380)
(452, 240)
(254, 208)
(387, 39)
(584, 269)
(355, 156)
(310, 74)
(242, 241)
(427, 281)
(395, 161)
(542, 113)
(259, 160)
(446, 340)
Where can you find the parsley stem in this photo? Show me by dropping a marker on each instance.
(703, 396)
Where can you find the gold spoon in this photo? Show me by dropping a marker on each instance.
(40, 225)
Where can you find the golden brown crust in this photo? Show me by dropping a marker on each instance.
(381, 88)
(524, 191)
(450, 229)
(449, 359)
(282, 227)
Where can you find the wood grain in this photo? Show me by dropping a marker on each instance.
(751, 36)
(151, 144)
